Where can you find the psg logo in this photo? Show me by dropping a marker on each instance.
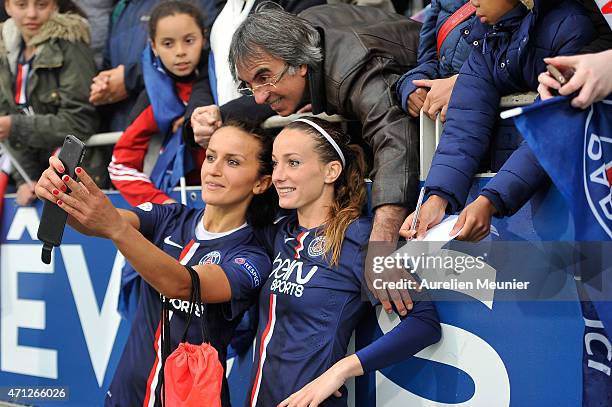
(317, 246)
(211, 258)
(598, 172)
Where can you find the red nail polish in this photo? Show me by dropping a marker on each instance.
(55, 192)
(59, 202)
(61, 169)
(65, 178)
(63, 188)
(78, 170)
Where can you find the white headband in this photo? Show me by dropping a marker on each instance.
(325, 134)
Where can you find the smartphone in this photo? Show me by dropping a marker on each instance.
(560, 77)
(53, 220)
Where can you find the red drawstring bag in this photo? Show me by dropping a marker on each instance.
(193, 374)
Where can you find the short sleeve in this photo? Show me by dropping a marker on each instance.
(154, 217)
(247, 269)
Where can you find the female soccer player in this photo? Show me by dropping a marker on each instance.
(158, 240)
(312, 301)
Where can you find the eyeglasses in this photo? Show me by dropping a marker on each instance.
(246, 90)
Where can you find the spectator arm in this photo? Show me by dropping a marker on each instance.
(470, 121)
(427, 60)
(516, 182)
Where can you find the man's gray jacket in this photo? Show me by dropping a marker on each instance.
(365, 52)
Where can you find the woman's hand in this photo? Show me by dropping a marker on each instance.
(438, 96)
(50, 181)
(86, 203)
(326, 385)
(432, 212)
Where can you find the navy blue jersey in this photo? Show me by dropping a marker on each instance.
(173, 229)
(308, 310)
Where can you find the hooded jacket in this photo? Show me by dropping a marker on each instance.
(508, 59)
(57, 89)
(365, 52)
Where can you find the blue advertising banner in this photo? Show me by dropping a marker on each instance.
(60, 328)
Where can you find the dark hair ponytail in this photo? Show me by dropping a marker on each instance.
(172, 8)
(349, 189)
(263, 208)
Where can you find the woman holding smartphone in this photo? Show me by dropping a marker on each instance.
(158, 240)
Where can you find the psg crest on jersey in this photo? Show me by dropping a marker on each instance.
(317, 246)
(213, 257)
(597, 176)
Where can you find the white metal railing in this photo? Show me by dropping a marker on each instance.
(105, 139)
(430, 131)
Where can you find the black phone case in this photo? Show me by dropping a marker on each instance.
(53, 220)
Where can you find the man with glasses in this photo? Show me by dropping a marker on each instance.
(341, 59)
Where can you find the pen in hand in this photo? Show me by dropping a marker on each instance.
(417, 210)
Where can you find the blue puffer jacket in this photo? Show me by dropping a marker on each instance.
(453, 53)
(508, 59)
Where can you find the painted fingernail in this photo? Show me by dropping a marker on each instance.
(63, 188)
(59, 203)
(65, 178)
(55, 192)
(78, 170)
(61, 169)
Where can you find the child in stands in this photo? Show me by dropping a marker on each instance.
(170, 69)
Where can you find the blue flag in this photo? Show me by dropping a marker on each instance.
(575, 148)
